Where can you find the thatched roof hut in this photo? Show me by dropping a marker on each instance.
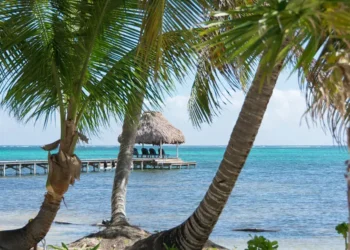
(155, 129)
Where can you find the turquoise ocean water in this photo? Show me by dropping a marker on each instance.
(299, 191)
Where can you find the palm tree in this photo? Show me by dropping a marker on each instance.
(175, 60)
(274, 33)
(62, 58)
(194, 232)
(173, 45)
(330, 106)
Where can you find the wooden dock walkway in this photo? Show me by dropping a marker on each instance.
(92, 165)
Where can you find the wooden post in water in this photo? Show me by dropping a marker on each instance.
(34, 169)
(141, 165)
(161, 150)
(4, 172)
(177, 150)
(20, 169)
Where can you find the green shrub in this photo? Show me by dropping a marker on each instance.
(64, 247)
(170, 248)
(342, 229)
(261, 243)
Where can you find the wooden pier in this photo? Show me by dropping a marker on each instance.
(93, 165)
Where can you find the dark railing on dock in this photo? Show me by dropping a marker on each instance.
(93, 165)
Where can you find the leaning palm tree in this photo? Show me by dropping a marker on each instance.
(272, 33)
(62, 58)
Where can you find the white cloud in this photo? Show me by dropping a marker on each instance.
(177, 107)
(13, 132)
(281, 124)
(284, 123)
(236, 100)
(285, 107)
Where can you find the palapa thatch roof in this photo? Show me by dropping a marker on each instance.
(154, 129)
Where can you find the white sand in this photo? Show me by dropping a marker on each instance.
(331, 243)
(67, 234)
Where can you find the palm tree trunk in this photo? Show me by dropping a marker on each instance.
(130, 125)
(28, 236)
(194, 232)
(64, 168)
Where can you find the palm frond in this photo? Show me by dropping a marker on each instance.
(164, 16)
(316, 28)
(88, 59)
(215, 79)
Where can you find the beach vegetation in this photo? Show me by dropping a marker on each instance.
(74, 61)
(170, 248)
(65, 247)
(261, 243)
(170, 56)
(175, 57)
(85, 61)
(343, 229)
(262, 38)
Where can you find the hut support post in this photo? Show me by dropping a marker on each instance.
(93, 169)
(34, 169)
(4, 171)
(161, 150)
(177, 150)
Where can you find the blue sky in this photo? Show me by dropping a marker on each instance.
(282, 124)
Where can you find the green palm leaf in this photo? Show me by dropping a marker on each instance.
(83, 57)
(317, 34)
